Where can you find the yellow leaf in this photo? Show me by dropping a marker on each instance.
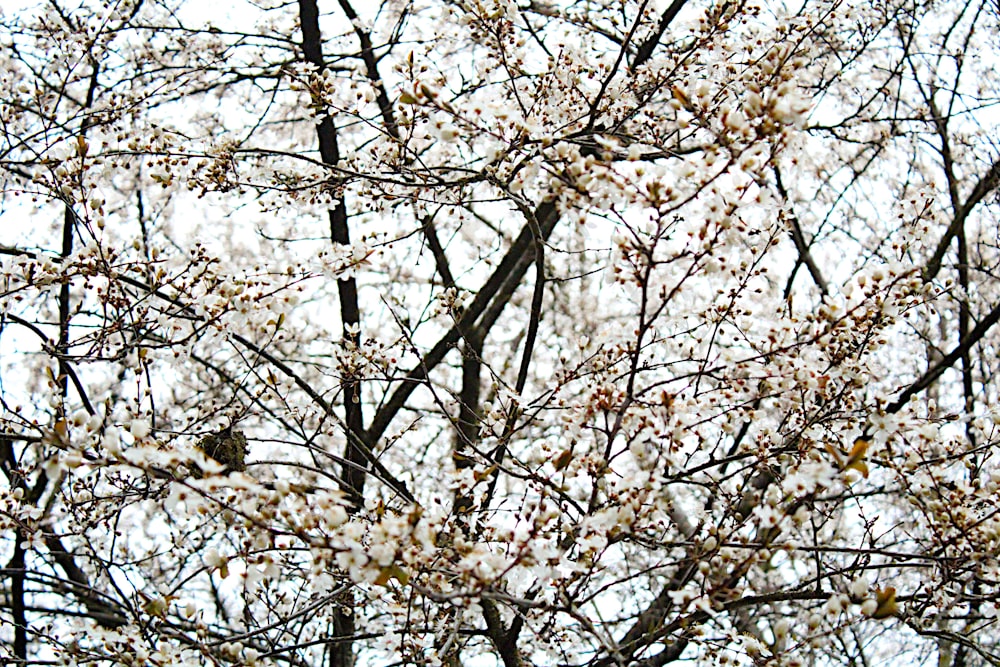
(860, 466)
(856, 457)
(682, 97)
(407, 98)
(563, 460)
(480, 476)
(402, 576)
(383, 577)
(157, 606)
(886, 603)
(415, 515)
(858, 450)
(392, 572)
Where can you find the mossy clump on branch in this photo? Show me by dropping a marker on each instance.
(228, 447)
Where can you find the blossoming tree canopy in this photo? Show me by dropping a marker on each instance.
(499, 332)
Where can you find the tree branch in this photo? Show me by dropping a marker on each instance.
(986, 184)
(501, 283)
(928, 378)
(100, 611)
(800, 240)
(347, 288)
(646, 49)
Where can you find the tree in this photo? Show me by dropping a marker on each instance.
(491, 332)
